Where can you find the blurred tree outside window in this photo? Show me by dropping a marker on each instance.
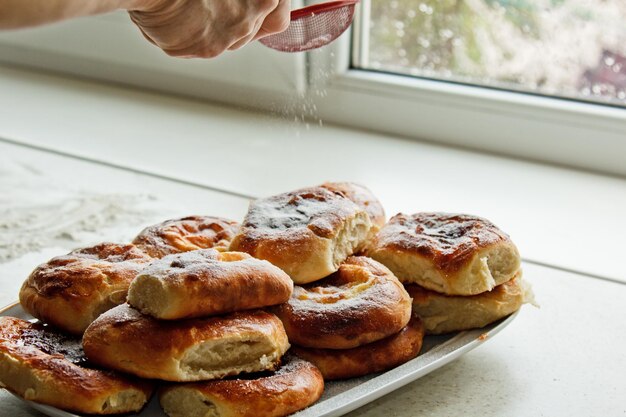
(567, 48)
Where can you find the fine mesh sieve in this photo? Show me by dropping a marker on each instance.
(314, 26)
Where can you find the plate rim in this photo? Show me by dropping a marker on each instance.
(476, 338)
(10, 306)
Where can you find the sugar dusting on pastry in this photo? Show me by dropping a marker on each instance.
(448, 238)
(315, 207)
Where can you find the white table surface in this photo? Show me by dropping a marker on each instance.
(567, 358)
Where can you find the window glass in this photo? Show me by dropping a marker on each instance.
(567, 48)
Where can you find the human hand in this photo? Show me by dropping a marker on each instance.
(206, 28)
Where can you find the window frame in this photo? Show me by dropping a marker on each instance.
(549, 129)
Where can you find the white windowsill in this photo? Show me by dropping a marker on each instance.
(557, 216)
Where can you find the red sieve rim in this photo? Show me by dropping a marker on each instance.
(319, 8)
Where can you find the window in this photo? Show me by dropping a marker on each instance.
(411, 73)
(566, 48)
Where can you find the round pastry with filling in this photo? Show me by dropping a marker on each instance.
(186, 234)
(185, 350)
(450, 313)
(70, 291)
(207, 282)
(41, 365)
(359, 304)
(454, 254)
(307, 233)
(362, 197)
(374, 357)
(295, 385)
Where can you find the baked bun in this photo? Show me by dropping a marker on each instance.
(455, 254)
(70, 291)
(207, 282)
(185, 350)
(44, 366)
(362, 197)
(367, 359)
(448, 313)
(292, 387)
(361, 303)
(307, 233)
(186, 234)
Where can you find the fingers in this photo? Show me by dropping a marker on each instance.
(205, 29)
(277, 21)
(145, 35)
(246, 39)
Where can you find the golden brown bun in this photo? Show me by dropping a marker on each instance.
(447, 313)
(364, 198)
(307, 233)
(367, 359)
(207, 282)
(70, 291)
(186, 350)
(186, 234)
(454, 254)
(294, 386)
(44, 366)
(361, 303)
